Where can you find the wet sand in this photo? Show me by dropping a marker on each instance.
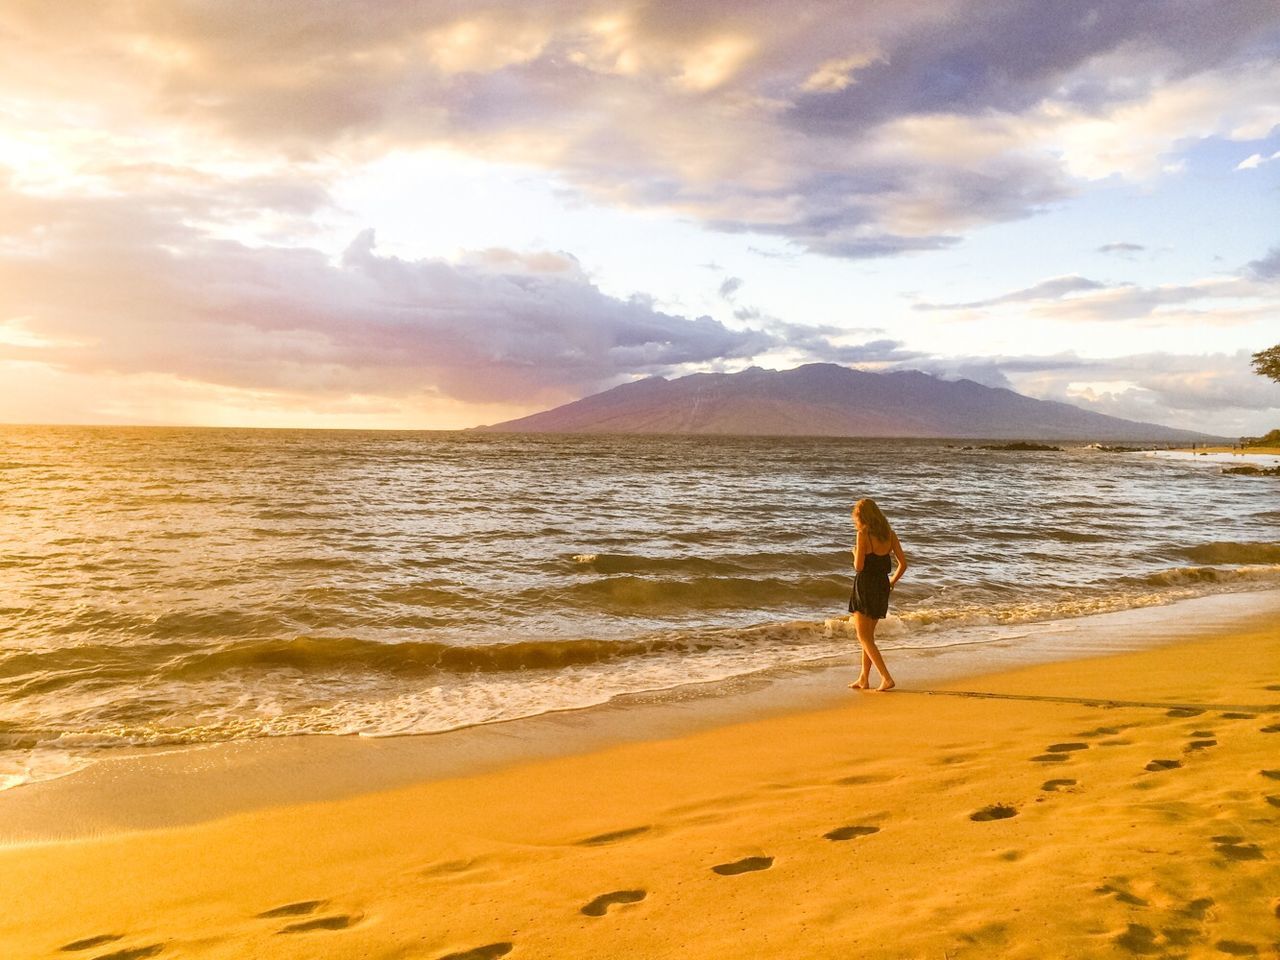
(1113, 806)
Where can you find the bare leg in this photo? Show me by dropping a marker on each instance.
(866, 628)
(864, 677)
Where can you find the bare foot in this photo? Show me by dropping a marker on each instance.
(885, 686)
(859, 684)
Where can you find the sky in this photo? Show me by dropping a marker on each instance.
(392, 214)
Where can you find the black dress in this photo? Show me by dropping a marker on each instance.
(871, 587)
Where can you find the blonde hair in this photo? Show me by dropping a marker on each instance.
(872, 518)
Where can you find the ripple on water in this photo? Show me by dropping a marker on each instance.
(197, 583)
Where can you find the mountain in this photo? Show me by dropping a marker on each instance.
(824, 399)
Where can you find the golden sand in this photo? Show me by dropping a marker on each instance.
(1115, 807)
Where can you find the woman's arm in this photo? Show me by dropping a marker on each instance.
(902, 561)
(859, 551)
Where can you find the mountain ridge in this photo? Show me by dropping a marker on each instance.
(826, 399)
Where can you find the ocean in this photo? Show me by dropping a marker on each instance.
(171, 586)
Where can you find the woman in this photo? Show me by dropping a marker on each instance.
(869, 603)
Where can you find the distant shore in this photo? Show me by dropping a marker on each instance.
(952, 819)
(1235, 450)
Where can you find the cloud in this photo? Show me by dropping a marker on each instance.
(129, 287)
(1133, 302)
(824, 344)
(1255, 160)
(772, 254)
(872, 129)
(874, 352)
(136, 287)
(995, 371)
(834, 75)
(1214, 393)
(1080, 299)
(803, 343)
(730, 286)
(1051, 289)
(179, 161)
(1266, 267)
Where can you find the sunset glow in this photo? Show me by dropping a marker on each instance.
(238, 214)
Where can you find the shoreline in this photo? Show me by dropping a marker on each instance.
(1220, 450)
(950, 819)
(195, 783)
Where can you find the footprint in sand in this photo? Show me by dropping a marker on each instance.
(1143, 940)
(1201, 744)
(1272, 686)
(490, 951)
(997, 811)
(601, 904)
(1238, 716)
(1124, 896)
(1102, 732)
(850, 833)
(1183, 712)
(1236, 948)
(298, 909)
(1137, 939)
(746, 865)
(1234, 848)
(89, 942)
(132, 953)
(450, 868)
(1052, 785)
(338, 922)
(1271, 774)
(1155, 765)
(612, 837)
(1273, 728)
(858, 779)
(1181, 936)
(1058, 752)
(1198, 909)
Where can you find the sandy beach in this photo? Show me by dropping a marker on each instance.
(1113, 806)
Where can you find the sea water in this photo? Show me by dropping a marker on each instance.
(162, 587)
